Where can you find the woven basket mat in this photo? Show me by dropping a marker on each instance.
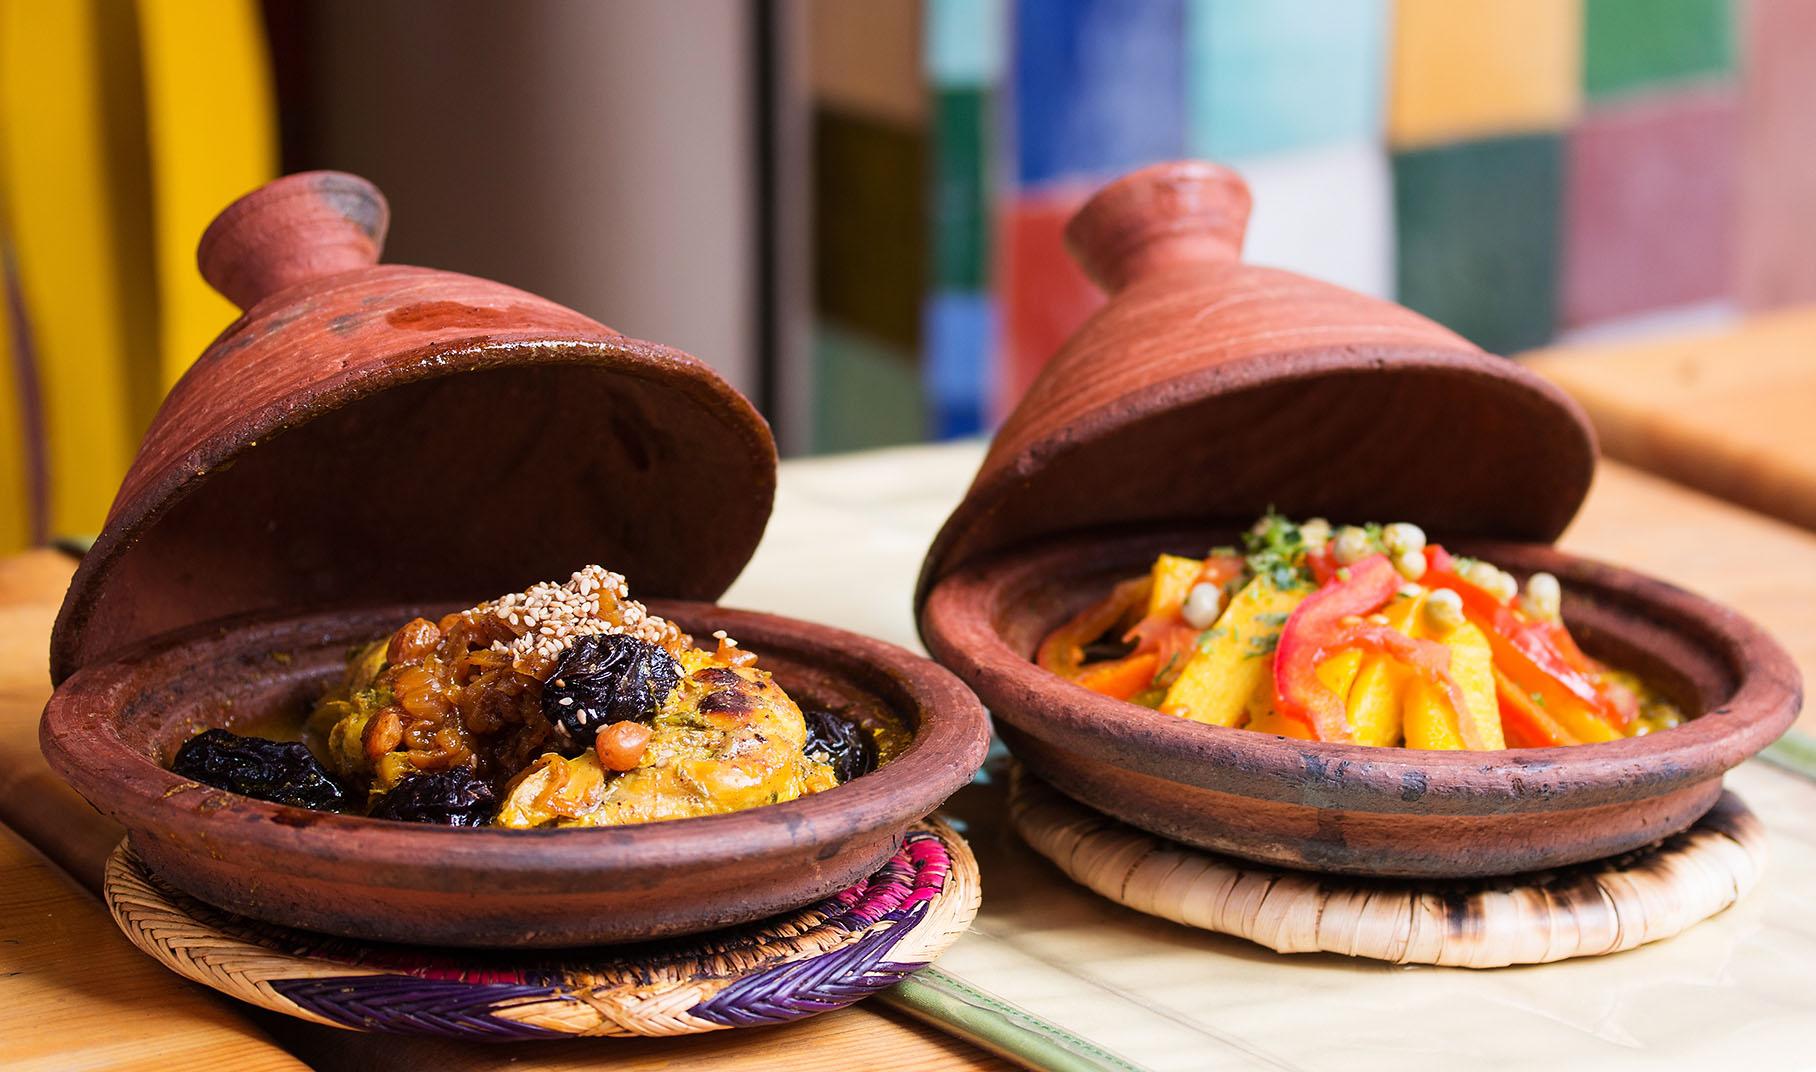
(1587, 910)
(856, 942)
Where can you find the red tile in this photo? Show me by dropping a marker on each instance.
(1045, 295)
(1649, 204)
(1778, 156)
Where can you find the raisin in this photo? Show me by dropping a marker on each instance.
(841, 744)
(452, 797)
(283, 772)
(607, 679)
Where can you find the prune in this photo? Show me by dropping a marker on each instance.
(607, 679)
(841, 744)
(283, 772)
(452, 797)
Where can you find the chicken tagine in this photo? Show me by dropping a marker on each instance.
(561, 706)
(1366, 634)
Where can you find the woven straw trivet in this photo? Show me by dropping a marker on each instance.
(856, 942)
(1588, 910)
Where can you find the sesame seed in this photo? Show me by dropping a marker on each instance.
(546, 619)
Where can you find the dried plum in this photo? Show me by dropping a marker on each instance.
(452, 797)
(607, 679)
(283, 772)
(840, 743)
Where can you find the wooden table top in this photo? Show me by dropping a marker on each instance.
(1728, 413)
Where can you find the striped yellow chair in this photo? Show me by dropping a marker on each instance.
(123, 128)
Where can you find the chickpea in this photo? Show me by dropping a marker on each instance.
(1202, 605)
(1410, 563)
(1315, 533)
(1351, 546)
(1443, 611)
(1544, 597)
(1402, 536)
(621, 745)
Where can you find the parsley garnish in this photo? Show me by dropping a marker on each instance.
(1275, 549)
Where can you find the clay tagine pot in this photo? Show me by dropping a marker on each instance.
(1208, 390)
(368, 442)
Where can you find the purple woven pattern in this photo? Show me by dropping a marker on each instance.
(899, 894)
(469, 996)
(405, 1005)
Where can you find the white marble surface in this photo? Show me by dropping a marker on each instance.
(1735, 992)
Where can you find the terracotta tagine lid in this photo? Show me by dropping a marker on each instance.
(369, 434)
(1208, 390)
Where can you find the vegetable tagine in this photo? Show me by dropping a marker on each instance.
(563, 705)
(1367, 635)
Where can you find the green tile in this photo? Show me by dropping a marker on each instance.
(867, 393)
(961, 214)
(1478, 237)
(870, 224)
(1634, 45)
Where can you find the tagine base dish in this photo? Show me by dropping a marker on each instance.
(826, 956)
(1585, 910)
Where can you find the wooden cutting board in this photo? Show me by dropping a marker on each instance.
(1728, 413)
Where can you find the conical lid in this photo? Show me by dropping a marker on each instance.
(368, 434)
(1208, 390)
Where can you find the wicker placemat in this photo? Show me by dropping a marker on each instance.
(1582, 911)
(861, 940)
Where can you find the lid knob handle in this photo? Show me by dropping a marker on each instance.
(1181, 212)
(297, 228)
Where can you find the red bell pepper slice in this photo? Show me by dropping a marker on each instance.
(1323, 564)
(1545, 647)
(1314, 632)
(1524, 723)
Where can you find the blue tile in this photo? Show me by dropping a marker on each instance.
(960, 333)
(1267, 76)
(963, 44)
(1099, 86)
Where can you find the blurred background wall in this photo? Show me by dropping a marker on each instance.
(853, 209)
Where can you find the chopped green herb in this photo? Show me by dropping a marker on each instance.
(1537, 699)
(1206, 638)
(1275, 549)
(1263, 645)
(1277, 617)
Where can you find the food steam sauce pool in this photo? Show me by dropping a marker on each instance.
(1363, 634)
(564, 705)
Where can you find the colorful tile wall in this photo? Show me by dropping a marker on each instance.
(1636, 45)
(1326, 212)
(1777, 211)
(868, 392)
(870, 233)
(1099, 87)
(1274, 76)
(963, 48)
(1045, 295)
(1508, 167)
(1476, 68)
(960, 333)
(1649, 205)
(1478, 237)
